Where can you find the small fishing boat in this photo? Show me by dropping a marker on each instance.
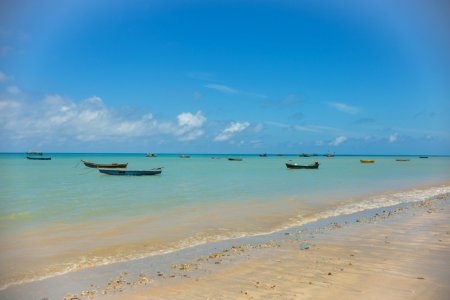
(304, 155)
(155, 171)
(279, 154)
(109, 166)
(184, 156)
(329, 155)
(423, 156)
(367, 161)
(31, 153)
(292, 165)
(234, 158)
(402, 159)
(38, 158)
(150, 154)
(263, 155)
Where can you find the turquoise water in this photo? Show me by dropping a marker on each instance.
(58, 215)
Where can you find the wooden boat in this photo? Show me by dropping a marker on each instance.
(38, 158)
(150, 155)
(367, 161)
(291, 165)
(234, 158)
(31, 153)
(155, 171)
(184, 156)
(109, 166)
(402, 159)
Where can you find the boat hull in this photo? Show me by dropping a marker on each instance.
(38, 158)
(130, 172)
(235, 159)
(296, 166)
(104, 166)
(364, 161)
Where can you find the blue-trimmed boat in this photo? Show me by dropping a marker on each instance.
(155, 171)
(38, 158)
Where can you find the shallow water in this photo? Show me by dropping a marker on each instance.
(57, 216)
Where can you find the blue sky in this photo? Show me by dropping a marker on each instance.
(225, 76)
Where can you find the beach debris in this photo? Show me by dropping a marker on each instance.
(329, 273)
(143, 280)
(420, 278)
(303, 246)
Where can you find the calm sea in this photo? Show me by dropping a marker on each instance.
(59, 216)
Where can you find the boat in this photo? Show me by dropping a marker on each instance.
(184, 156)
(149, 172)
(235, 158)
(263, 155)
(367, 161)
(31, 153)
(38, 158)
(109, 166)
(279, 154)
(292, 165)
(402, 159)
(304, 155)
(423, 156)
(150, 155)
(329, 155)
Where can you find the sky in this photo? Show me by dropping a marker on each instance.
(344, 77)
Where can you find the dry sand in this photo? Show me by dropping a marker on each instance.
(401, 253)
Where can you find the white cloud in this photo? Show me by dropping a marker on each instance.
(342, 107)
(229, 90)
(189, 126)
(231, 130)
(13, 90)
(392, 138)
(4, 77)
(58, 118)
(222, 88)
(339, 140)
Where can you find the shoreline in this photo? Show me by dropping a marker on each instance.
(130, 275)
(342, 207)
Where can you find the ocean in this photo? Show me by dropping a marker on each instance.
(59, 216)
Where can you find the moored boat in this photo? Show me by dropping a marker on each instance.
(149, 172)
(38, 158)
(402, 159)
(304, 155)
(292, 165)
(150, 154)
(263, 155)
(108, 166)
(234, 158)
(423, 156)
(184, 156)
(367, 161)
(31, 153)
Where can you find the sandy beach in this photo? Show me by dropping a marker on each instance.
(400, 252)
(396, 252)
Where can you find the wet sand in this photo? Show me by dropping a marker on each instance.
(397, 252)
(401, 253)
